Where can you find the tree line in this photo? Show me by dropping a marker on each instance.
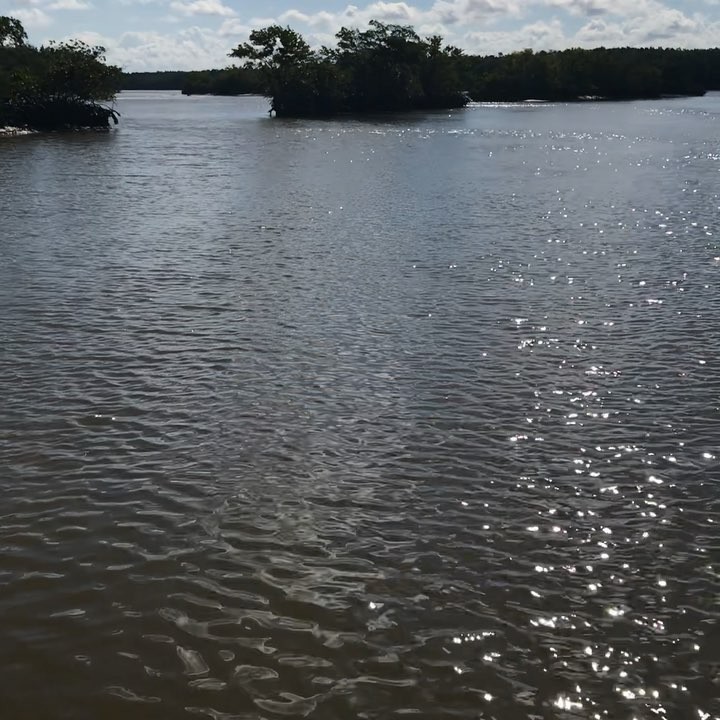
(391, 68)
(607, 73)
(60, 85)
(385, 67)
(229, 81)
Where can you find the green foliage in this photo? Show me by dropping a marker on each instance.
(55, 86)
(617, 74)
(386, 67)
(71, 71)
(230, 81)
(161, 80)
(390, 67)
(285, 64)
(274, 48)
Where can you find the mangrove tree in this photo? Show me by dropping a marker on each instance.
(56, 86)
(384, 68)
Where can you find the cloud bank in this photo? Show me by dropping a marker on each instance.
(198, 34)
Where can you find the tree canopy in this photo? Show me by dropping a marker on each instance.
(386, 67)
(53, 86)
(610, 73)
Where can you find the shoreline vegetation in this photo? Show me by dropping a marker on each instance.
(391, 68)
(385, 68)
(60, 86)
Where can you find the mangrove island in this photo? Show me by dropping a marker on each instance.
(60, 86)
(384, 68)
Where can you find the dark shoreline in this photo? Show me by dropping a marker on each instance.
(56, 116)
(11, 129)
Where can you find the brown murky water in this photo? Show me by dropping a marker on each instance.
(409, 417)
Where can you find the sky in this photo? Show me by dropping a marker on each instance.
(198, 34)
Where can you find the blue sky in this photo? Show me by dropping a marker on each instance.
(196, 34)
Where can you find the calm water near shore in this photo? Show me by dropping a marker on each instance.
(404, 417)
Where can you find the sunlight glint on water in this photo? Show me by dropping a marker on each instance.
(365, 419)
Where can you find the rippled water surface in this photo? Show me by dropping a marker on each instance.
(404, 417)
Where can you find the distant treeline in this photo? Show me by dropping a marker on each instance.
(389, 67)
(231, 81)
(609, 73)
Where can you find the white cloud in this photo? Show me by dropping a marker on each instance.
(322, 20)
(437, 18)
(32, 18)
(193, 48)
(69, 5)
(667, 27)
(477, 26)
(471, 24)
(624, 10)
(601, 7)
(202, 7)
(397, 12)
(537, 35)
(453, 12)
(234, 28)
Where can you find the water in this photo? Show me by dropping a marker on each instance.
(403, 417)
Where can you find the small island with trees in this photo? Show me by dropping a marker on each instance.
(60, 86)
(384, 68)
